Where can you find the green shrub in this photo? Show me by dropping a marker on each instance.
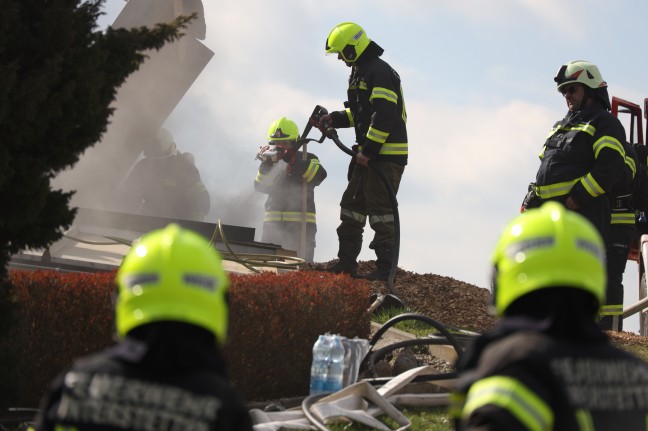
(274, 321)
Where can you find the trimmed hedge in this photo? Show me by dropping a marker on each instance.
(274, 321)
(59, 316)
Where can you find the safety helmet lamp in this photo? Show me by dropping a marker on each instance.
(547, 247)
(172, 274)
(282, 130)
(579, 72)
(347, 39)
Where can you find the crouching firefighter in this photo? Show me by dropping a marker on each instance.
(168, 369)
(289, 178)
(546, 365)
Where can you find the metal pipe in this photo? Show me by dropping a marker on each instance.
(635, 308)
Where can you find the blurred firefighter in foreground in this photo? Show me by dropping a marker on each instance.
(376, 110)
(583, 157)
(546, 365)
(167, 371)
(165, 183)
(289, 178)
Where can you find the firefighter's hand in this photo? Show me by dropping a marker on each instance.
(324, 125)
(261, 151)
(571, 203)
(361, 159)
(268, 154)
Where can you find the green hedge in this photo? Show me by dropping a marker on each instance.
(274, 321)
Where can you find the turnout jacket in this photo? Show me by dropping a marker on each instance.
(174, 379)
(583, 156)
(528, 380)
(376, 109)
(283, 184)
(166, 187)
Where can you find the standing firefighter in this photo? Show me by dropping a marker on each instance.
(289, 178)
(375, 108)
(583, 156)
(167, 371)
(546, 365)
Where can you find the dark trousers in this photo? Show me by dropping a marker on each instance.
(366, 196)
(618, 245)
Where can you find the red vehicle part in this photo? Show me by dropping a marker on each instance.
(639, 249)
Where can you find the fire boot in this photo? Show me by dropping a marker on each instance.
(385, 256)
(348, 255)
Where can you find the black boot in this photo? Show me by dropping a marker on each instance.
(348, 255)
(385, 257)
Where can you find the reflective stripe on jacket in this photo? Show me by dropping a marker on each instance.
(376, 109)
(583, 156)
(284, 187)
(531, 381)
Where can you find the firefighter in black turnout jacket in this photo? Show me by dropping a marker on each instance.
(375, 108)
(583, 156)
(289, 179)
(546, 365)
(167, 371)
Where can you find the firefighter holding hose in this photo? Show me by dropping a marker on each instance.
(375, 108)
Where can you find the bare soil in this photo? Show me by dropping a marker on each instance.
(460, 304)
(444, 299)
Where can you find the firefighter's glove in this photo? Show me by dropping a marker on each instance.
(268, 154)
(531, 199)
(324, 125)
(354, 149)
(315, 122)
(352, 163)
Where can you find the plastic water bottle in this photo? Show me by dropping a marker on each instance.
(335, 375)
(319, 367)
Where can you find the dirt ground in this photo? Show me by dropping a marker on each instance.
(444, 299)
(456, 303)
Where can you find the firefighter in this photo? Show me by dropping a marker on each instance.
(165, 183)
(376, 110)
(167, 371)
(583, 156)
(620, 238)
(289, 178)
(546, 365)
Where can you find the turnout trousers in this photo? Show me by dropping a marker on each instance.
(366, 196)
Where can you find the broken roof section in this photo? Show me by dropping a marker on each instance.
(143, 103)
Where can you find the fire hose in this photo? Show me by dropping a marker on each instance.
(331, 133)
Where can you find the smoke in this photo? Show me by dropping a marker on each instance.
(142, 106)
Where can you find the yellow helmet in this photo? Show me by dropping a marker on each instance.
(283, 129)
(349, 40)
(172, 274)
(547, 247)
(581, 72)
